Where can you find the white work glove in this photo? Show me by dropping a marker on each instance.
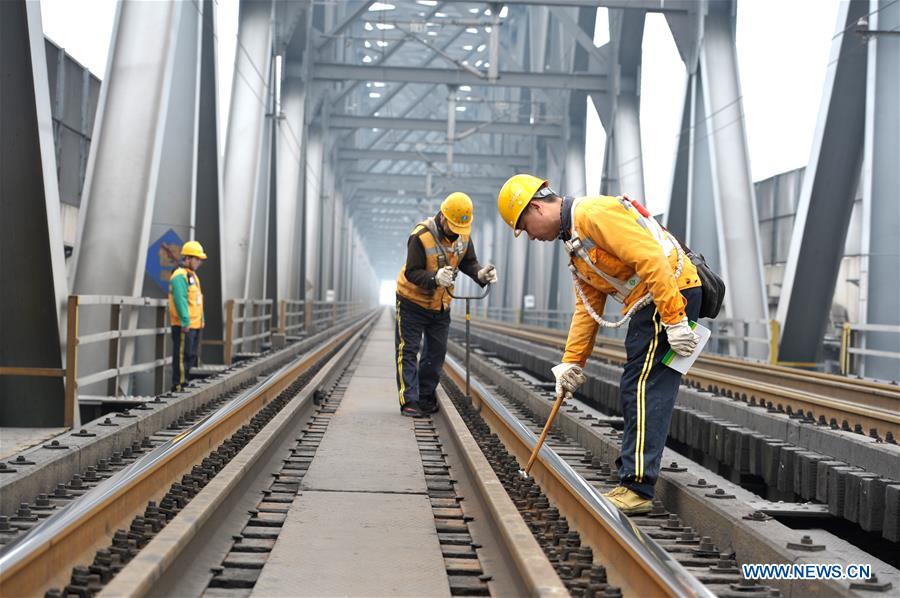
(682, 338)
(444, 277)
(488, 274)
(568, 378)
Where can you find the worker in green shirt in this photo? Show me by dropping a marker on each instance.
(186, 313)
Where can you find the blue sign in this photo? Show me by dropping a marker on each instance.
(163, 258)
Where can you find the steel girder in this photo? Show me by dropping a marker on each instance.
(620, 110)
(712, 205)
(856, 138)
(291, 128)
(315, 151)
(32, 255)
(208, 196)
(415, 156)
(346, 121)
(246, 155)
(413, 74)
(648, 5)
(142, 165)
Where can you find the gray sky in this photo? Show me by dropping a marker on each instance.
(782, 47)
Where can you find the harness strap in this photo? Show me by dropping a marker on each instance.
(457, 248)
(578, 247)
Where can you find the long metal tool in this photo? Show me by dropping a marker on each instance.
(469, 298)
(537, 447)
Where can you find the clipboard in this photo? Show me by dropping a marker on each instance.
(683, 364)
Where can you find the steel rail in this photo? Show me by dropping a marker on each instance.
(634, 561)
(869, 404)
(810, 381)
(44, 557)
(140, 576)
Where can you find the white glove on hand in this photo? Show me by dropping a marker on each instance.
(682, 338)
(488, 274)
(444, 277)
(568, 378)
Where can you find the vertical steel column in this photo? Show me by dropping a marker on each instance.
(128, 168)
(826, 200)
(733, 196)
(712, 204)
(208, 198)
(621, 107)
(173, 204)
(31, 247)
(291, 128)
(245, 146)
(880, 271)
(314, 162)
(125, 158)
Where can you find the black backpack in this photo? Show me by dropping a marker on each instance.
(712, 285)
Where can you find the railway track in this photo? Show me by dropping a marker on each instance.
(202, 512)
(135, 500)
(864, 406)
(706, 523)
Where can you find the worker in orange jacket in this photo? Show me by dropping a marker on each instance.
(618, 250)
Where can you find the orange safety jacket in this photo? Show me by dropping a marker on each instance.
(185, 299)
(619, 243)
(438, 253)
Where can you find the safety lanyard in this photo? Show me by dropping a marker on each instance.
(578, 247)
(432, 228)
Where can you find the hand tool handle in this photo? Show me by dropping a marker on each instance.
(540, 442)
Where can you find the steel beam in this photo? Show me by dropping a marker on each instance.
(881, 191)
(647, 5)
(620, 111)
(245, 143)
(484, 182)
(289, 177)
(380, 154)
(127, 170)
(34, 297)
(346, 121)
(208, 197)
(173, 205)
(712, 200)
(413, 74)
(826, 199)
(315, 150)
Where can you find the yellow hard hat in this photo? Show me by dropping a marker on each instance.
(457, 209)
(514, 197)
(193, 249)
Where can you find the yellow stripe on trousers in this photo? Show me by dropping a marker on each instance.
(642, 402)
(181, 360)
(400, 357)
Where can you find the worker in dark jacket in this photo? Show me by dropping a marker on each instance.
(437, 249)
(186, 313)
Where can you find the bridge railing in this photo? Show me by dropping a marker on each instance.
(117, 365)
(248, 325)
(323, 314)
(292, 317)
(853, 350)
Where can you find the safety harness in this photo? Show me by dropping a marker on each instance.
(458, 248)
(579, 248)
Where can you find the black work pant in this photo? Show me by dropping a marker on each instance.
(417, 378)
(185, 342)
(648, 392)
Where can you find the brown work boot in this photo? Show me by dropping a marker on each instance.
(412, 410)
(628, 501)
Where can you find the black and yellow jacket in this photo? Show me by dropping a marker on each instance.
(425, 255)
